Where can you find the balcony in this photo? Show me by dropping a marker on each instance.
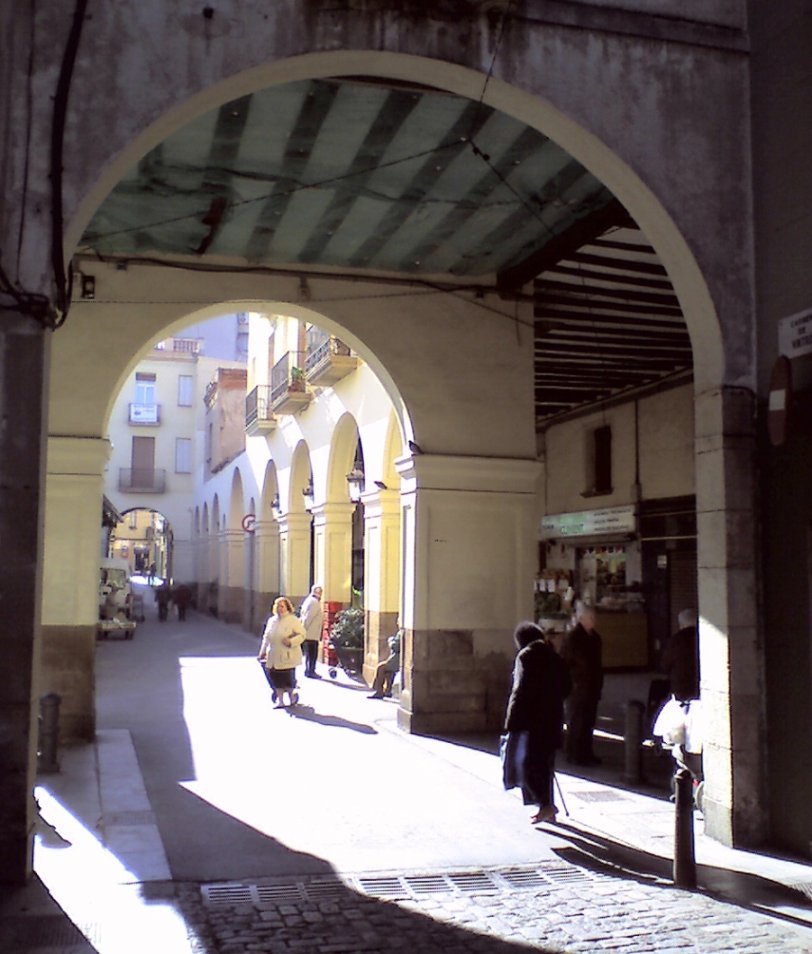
(145, 414)
(142, 480)
(327, 359)
(259, 418)
(289, 393)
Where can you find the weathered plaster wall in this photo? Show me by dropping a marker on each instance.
(782, 95)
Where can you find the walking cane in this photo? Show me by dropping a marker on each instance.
(561, 795)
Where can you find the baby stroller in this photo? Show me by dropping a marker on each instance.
(349, 658)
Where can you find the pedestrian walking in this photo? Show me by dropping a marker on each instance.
(583, 653)
(311, 614)
(534, 720)
(387, 669)
(281, 651)
(163, 597)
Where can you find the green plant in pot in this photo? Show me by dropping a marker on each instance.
(347, 631)
(347, 638)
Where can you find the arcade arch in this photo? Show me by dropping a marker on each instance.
(571, 115)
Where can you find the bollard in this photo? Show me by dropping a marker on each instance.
(684, 859)
(633, 739)
(48, 733)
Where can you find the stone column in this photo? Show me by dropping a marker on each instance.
(294, 555)
(332, 540)
(70, 597)
(232, 575)
(23, 361)
(469, 540)
(382, 573)
(731, 655)
(266, 569)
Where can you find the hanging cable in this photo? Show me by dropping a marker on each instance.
(61, 280)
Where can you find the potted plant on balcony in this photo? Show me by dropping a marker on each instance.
(297, 379)
(347, 640)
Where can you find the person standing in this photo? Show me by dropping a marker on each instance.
(541, 682)
(182, 597)
(311, 614)
(281, 650)
(583, 653)
(681, 661)
(387, 669)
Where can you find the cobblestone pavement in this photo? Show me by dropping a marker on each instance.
(554, 907)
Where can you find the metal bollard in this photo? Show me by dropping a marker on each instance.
(684, 858)
(633, 740)
(48, 733)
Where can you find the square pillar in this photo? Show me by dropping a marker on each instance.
(23, 360)
(70, 599)
(731, 654)
(461, 518)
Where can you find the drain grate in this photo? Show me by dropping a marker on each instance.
(394, 887)
(384, 887)
(600, 795)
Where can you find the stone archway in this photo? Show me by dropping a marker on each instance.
(690, 175)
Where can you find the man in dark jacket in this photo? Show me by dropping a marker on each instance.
(681, 658)
(536, 708)
(583, 653)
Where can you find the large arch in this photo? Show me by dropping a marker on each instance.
(683, 177)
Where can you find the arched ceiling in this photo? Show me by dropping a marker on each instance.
(372, 177)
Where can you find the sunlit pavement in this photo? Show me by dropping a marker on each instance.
(324, 828)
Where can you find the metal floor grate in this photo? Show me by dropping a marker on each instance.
(599, 795)
(397, 887)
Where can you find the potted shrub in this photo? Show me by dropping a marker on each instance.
(347, 639)
(297, 379)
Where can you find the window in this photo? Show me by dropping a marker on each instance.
(133, 515)
(183, 455)
(185, 390)
(145, 388)
(602, 438)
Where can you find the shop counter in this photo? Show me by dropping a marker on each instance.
(625, 638)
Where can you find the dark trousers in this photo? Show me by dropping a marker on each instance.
(163, 609)
(181, 611)
(384, 680)
(582, 711)
(311, 654)
(539, 766)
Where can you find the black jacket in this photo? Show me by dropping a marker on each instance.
(541, 682)
(583, 653)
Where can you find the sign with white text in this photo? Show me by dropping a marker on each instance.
(795, 334)
(588, 523)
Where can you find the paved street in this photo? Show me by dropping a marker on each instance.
(206, 820)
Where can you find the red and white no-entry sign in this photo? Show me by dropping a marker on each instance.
(780, 398)
(249, 522)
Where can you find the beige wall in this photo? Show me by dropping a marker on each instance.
(656, 431)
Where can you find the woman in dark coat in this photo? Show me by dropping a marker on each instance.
(541, 682)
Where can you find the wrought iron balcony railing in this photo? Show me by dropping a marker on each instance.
(328, 359)
(258, 411)
(289, 392)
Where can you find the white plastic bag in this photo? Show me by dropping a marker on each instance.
(670, 723)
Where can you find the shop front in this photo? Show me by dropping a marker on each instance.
(598, 553)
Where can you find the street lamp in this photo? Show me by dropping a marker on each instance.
(355, 481)
(308, 494)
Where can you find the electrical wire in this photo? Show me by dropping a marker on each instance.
(61, 96)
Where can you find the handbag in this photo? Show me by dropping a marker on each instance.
(512, 753)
